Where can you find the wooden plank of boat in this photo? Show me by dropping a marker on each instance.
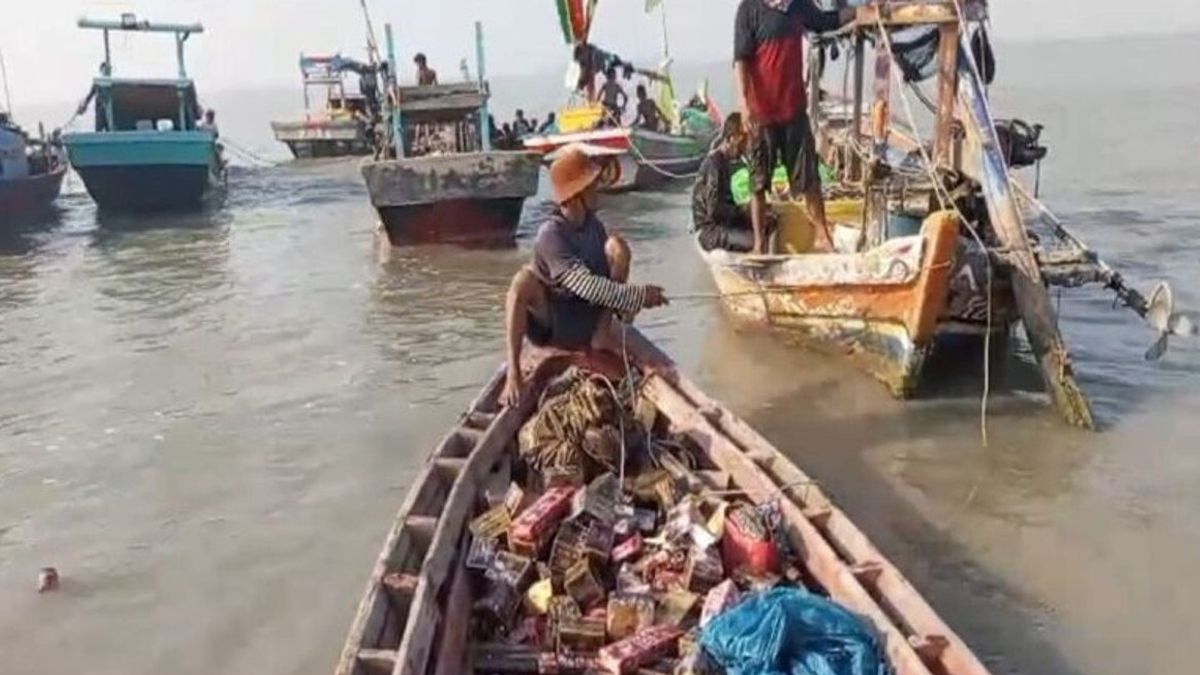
(984, 161)
(413, 616)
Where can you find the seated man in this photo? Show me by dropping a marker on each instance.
(569, 296)
(720, 222)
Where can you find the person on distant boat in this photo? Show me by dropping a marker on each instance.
(426, 76)
(101, 97)
(521, 126)
(769, 78)
(209, 123)
(613, 98)
(649, 116)
(549, 126)
(506, 137)
(720, 222)
(576, 287)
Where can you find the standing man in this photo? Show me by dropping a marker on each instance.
(613, 98)
(648, 115)
(768, 72)
(571, 294)
(426, 76)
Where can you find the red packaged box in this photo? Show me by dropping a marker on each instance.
(630, 548)
(536, 523)
(747, 543)
(642, 649)
(719, 599)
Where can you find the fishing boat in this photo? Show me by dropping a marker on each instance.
(415, 616)
(438, 179)
(31, 173)
(149, 150)
(343, 124)
(643, 158)
(945, 219)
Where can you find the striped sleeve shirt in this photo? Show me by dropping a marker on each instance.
(571, 259)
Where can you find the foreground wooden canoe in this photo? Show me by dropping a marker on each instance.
(413, 617)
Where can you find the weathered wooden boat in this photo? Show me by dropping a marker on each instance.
(439, 180)
(31, 173)
(413, 618)
(343, 124)
(149, 150)
(644, 158)
(1010, 246)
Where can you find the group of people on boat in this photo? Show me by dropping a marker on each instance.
(511, 135)
(576, 292)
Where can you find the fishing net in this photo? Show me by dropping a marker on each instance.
(915, 51)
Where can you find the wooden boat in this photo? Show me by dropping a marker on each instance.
(439, 179)
(341, 127)
(31, 174)
(413, 618)
(148, 151)
(1010, 246)
(644, 158)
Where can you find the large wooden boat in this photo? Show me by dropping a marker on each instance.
(1010, 246)
(438, 178)
(149, 150)
(341, 124)
(414, 615)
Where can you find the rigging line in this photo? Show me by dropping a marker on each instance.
(7, 93)
(947, 202)
(637, 154)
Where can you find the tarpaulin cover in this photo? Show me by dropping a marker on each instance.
(788, 631)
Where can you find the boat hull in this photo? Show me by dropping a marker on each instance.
(145, 171)
(323, 138)
(880, 308)
(644, 159)
(414, 616)
(31, 196)
(470, 199)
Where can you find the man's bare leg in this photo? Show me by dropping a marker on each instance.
(758, 220)
(620, 258)
(526, 296)
(814, 201)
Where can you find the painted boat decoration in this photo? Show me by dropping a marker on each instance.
(31, 173)
(415, 615)
(343, 124)
(1010, 247)
(149, 150)
(439, 179)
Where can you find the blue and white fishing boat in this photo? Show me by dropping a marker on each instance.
(150, 149)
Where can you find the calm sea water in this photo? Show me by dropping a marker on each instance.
(207, 422)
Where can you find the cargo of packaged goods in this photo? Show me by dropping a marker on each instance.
(628, 549)
(704, 570)
(493, 524)
(504, 659)
(560, 609)
(747, 544)
(629, 614)
(511, 570)
(598, 500)
(582, 635)
(529, 532)
(514, 499)
(676, 607)
(641, 649)
(723, 596)
(481, 553)
(582, 585)
(538, 597)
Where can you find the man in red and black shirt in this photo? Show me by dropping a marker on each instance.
(768, 57)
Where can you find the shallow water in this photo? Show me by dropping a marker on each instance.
(207, 422)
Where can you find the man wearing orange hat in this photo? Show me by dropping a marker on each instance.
(576, 285)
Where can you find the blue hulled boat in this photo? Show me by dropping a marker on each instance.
(150, 149)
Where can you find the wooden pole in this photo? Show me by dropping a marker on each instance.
(947, 87)
(485, 135)
(856, 168)
(7, 94)
(397, 123)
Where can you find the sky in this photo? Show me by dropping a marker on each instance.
(256, 43)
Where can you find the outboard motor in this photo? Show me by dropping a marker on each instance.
(1020, 142)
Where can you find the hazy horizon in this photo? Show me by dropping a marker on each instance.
(250, 45)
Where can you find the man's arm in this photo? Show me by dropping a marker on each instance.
(820, 21)
(568, 272)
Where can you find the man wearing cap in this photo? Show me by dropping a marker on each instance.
(768, 72)
(569, 296)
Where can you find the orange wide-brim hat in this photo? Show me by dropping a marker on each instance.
(573, 172)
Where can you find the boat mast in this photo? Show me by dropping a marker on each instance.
(7, 94)
(662, 5)
(394, 99)
(485, 135)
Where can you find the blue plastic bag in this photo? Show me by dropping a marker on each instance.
(788, 631)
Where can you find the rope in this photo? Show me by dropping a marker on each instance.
(641, 159)
(944, 199)
(246, 154)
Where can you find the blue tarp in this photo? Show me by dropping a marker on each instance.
(788, 631)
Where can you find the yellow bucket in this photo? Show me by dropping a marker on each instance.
(796, 231)
(582, 118)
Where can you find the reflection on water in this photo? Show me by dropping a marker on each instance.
(207, 421)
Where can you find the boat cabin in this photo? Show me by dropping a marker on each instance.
(326, 74)
(442, 119)
(146, 105)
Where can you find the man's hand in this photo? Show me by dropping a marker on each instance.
(511, 396)
(655, 297)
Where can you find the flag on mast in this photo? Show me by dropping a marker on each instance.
(652, 5)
